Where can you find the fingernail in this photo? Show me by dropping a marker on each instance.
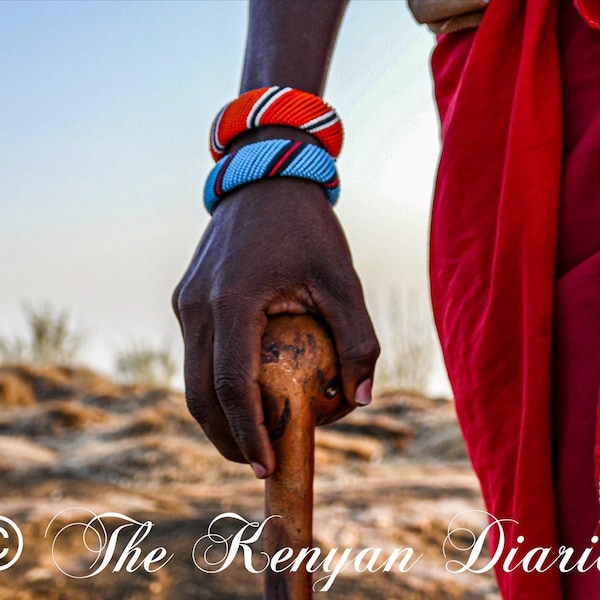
(362, 396)
(259, 470)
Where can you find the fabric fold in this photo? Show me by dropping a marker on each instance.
(492, 261)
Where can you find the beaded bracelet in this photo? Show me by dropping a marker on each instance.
(271, 158)
(277, 106)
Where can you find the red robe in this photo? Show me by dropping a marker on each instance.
(494, 238)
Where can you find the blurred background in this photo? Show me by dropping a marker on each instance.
(105, 110)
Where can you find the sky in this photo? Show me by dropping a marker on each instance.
(104, 115)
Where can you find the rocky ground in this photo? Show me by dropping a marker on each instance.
(74, 445)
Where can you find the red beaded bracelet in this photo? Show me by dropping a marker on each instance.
(277, 106)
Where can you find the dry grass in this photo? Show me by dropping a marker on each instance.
(51, 337)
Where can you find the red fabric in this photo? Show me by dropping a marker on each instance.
(493, 244)
(576, 363)
(590, 10)
(575, 390)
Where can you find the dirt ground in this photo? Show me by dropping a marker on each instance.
(74, 445)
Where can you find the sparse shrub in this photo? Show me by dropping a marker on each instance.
(405, 330)
(144, 364)
(50, 339)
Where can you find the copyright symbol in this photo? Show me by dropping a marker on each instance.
(11, 542)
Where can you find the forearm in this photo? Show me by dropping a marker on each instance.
(290, 43)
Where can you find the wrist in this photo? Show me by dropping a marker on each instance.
(272, 132)
(271, 159)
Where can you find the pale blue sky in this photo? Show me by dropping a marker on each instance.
(104, 116)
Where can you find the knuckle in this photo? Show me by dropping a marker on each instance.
(233, 394)
(199, 409)
(184, 301)
(243, 430)
(231, 387)
(365, 352)
(175, 296)
(342, 285)
(192, 312)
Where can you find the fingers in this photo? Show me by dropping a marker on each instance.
(237, 343)
(221, 367)
(257, 257)
(199, 392)
(342, 305)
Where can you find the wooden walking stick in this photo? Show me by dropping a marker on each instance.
(301, 388)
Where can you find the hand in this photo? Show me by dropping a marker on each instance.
(274, 246)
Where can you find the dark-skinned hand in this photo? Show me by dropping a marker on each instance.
(273, 246)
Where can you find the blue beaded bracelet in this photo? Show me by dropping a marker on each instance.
(271, 158)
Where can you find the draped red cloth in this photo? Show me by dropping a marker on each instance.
(515, 274)
(492, 261)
